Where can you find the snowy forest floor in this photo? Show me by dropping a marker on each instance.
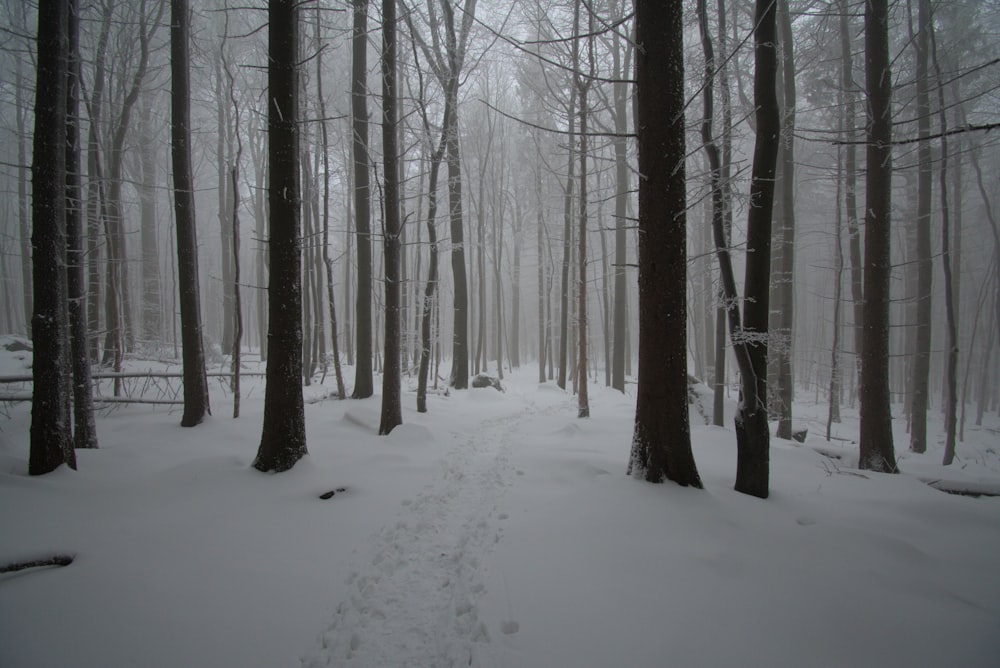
(495, 530)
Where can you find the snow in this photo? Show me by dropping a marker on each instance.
(494, 530)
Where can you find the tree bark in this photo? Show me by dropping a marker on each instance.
(283, 437)
(876, 447)
(51, 443)
(84, 428)
(195, 382)
(850, 183)
(781, 336)
(661, 441)
(363, 382)
(752, 435)
(391, 409)
(921, 366)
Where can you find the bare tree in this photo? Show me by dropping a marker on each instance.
(783, 259)
(921, 367)
(391, 407)
(84, 428)
(283, 437)
(195, 382)
(749, 337)
(876, 445)
(51, 443)
(661, 441)
(363, 382)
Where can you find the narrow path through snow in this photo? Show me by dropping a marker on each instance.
(415, 603)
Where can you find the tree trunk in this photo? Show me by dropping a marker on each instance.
(719, 383)
(51, 442)
(919, 381)
(150, 306)
(363, 382)
(24, 222)
(833, 414)
(432, 276)
(951, 329)
(661, 441)
(850, 182)
(283, 437)
(391, 408)
(84, 429)
(781, 336)
(567, 240)
(195, 381)
(750, 338)
(620, 94)
(327, 260)
(876, 448)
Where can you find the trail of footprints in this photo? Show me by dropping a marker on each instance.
(414, 604)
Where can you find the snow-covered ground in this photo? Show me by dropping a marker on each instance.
(495, 530)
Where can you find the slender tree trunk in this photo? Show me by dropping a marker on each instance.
(23, 216)
(567, 240)
(432, 276)
(781, 337)
(84, 428)
(327, 260)
(951, 357)
(363, 382)
(850, 182)
(921, 365)
(583, 86)
(391, 405)
(833, 414)
(150, 307)
(620, 94)
(718, 395)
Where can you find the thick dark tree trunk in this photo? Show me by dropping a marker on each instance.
(391, 409)
(51, 438)
(661, 441)
(195, 381)
(363, 383)
(877, 452)
(283, 438)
